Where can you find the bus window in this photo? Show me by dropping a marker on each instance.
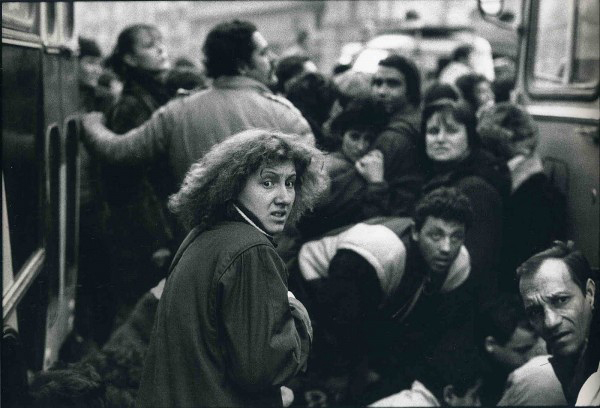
(22, 160)
(20, 16)
(551, 43)
(587, 49)
(565, 48)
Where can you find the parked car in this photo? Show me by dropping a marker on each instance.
(430, 47)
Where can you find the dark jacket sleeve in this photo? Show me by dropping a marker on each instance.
(127, 114)
(401, 167)
(266, 336)
(140, 145)
(484, 236)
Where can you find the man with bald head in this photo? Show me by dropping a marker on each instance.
(558, 288)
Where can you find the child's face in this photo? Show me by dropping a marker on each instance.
(356, 143)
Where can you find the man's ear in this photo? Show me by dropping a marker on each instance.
(448, 394)
(414, 233)
(490, 344)
(590, 291)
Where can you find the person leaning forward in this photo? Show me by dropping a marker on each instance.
(237, 57)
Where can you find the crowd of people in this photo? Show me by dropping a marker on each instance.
(259, 233)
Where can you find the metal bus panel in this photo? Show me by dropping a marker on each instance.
(560, 90)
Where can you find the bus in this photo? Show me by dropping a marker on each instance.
(557, 82)
(40, 153)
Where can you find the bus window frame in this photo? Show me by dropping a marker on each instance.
(565, 90)
(29, 25)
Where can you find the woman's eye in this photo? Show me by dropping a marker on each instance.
(433, 131)
(436, 237)
(267, 183)
(290, 184)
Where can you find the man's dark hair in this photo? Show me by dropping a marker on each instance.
(456, 362)
(313, 94)
(446, 203)
(228, 47)
(411, 74)
(89, 48)
(499, 317)
(440, 90)
(462, 51)
(467, 84)
(361, 114)
(289, 67)
(576, 262)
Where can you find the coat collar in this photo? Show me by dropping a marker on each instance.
(239, 82)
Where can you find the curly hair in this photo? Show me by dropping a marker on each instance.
(411, 73)
(447, 203)
(228, 47)
(215, 181)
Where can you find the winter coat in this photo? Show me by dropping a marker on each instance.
(399, 144)
(534, 216)
(484, 181)
(136, 220)
(225, 333)
(350, 199)
(187, 127)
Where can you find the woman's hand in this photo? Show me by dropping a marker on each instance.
(370, 166)
(89, 121)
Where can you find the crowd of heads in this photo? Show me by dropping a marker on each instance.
(347, 113)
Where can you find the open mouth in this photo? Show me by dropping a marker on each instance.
(280, 215)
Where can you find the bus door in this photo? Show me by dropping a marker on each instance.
(558, 85)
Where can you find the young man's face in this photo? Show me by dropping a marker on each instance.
(439, 242)
(389, 86)
(522, 346)
(557, 308)
(261, 65)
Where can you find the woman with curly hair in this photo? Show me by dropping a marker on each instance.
(227, 331)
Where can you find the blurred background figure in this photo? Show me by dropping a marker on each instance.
(93, 298)
(477, 91)
(290, 67)
(314, 95)
(140, 235)
(461, 63)
(535, 212)
(505, 71)
(301, 46)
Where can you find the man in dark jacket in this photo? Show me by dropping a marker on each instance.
(397, 85)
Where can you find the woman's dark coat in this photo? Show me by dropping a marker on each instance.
(225, 332)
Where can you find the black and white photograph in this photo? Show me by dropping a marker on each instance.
(300, 203)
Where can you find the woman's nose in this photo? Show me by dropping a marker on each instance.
(284, 195)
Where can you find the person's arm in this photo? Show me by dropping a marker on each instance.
(140, 145)
(402, 172)
(266, 332)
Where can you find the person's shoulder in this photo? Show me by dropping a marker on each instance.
(238, 234)
(279, 100)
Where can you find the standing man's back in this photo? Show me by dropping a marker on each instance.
(237, 57)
